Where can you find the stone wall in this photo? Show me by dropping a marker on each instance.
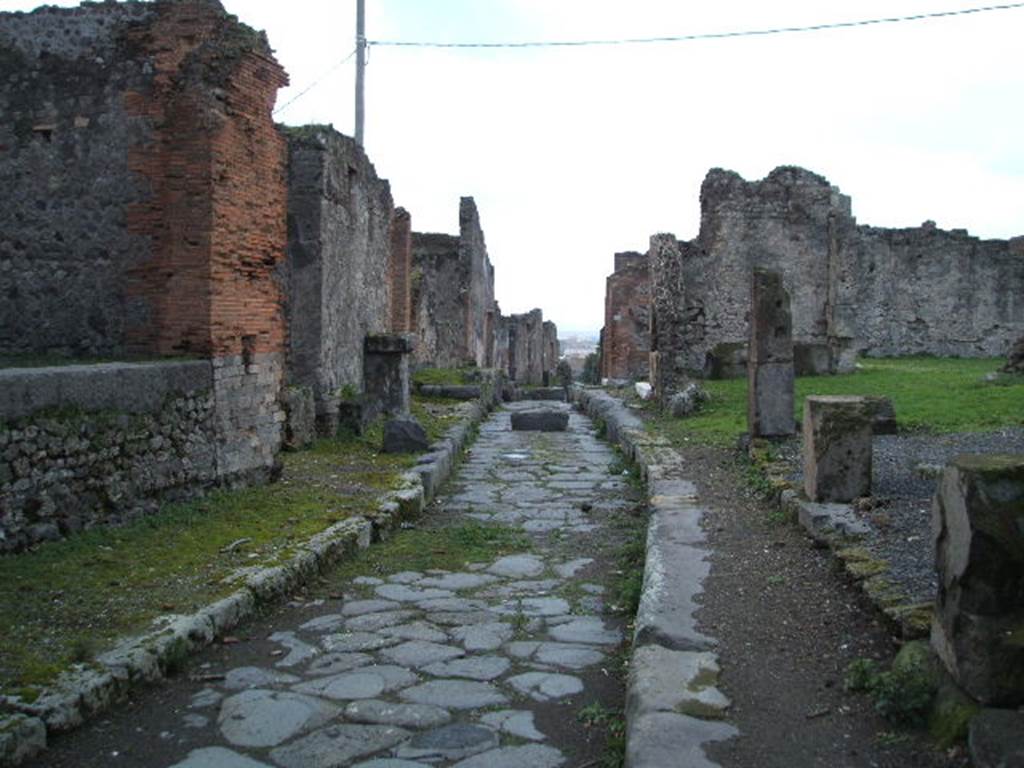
(552, 352)
(147, 217)
(627, 319)
(453, 307)
(87, 445)
(526, 348)
(340, 261)
(400, 271)
(855, 289)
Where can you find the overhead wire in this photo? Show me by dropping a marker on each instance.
(314, 84)
(698, 36)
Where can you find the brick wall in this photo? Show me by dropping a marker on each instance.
(400, 271)
(627, 319)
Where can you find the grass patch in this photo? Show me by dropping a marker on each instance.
(448, 548)
(441, 376)
(613, 723)
(937, 394)
(65, 601)
(435, 414)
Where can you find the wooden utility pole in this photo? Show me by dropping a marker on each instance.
(360, 67)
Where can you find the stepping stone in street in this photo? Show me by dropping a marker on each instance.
(335, 663)
(298, 651)
(255, 677)
(377, 712)
(546, 686)
(259, 718)
(450, 742)
(457, 694)
(371, 622)
(540, 420)
(588, 630)
(518, 566)
(515, 722)
(473, 668)
(532, 755)
(347, 642)
(407, 594)
(417, 653)
(217, 757)
(359, 607)
(484, 637)
(338, 745)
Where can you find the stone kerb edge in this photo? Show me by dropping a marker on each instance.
(86, 692)
(672, 704)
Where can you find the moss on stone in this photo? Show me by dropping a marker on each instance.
(951, 715)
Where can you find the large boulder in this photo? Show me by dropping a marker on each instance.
(688, 401)
(404, 435)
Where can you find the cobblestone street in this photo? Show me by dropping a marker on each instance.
(489, 665)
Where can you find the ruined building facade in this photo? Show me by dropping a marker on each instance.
(145, 218)
(855, 289)
(627, 319)
(453, 307)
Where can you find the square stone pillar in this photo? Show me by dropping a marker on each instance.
(386, 375)
(978, 533)
(770, 358)
(837, 448)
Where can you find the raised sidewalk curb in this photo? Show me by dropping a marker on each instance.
(85, 692)
(673, 706)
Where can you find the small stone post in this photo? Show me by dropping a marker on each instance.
(770, 358)
(386, 375)
(837, 448)
(978, 533)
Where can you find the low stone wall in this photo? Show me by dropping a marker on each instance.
(82, 446)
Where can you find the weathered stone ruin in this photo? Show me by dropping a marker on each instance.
(526, 348)
(836, 448)
(453, 306)
(1015, 359)
(978, 532)
(770, 358)
(855, 289)
(551, 352)
(347, 272)
(146, 217)
(627, 319)
(668, 351)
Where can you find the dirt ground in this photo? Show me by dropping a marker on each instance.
(789, 624)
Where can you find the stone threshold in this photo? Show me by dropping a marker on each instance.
(83, 694)
(837, 527)
(673, 706)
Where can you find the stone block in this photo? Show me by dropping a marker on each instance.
(540, 421)
(996, 739)
(771, 322)
(300, 417)
(883, 415)
(404, 436)
(770, 400)
(688, 401)
(978, 532)
(837, 448)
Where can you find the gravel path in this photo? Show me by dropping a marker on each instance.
(899, 522)
(483, 667)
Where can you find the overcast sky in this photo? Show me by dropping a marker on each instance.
(573, 154)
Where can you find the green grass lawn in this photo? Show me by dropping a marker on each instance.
(928, 393)
(65, 601)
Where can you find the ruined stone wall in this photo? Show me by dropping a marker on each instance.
(340, 259)
(146, 216)
(552, 351)
(501, 341)
(480, 290)
(438, 306)
(454, 312)
(400, 271)
(855, 289)
(88, 445)
(627, 319)
(149, 178)
(526, 348)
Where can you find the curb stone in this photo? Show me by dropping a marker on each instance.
(86, 691)
(673, 706)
